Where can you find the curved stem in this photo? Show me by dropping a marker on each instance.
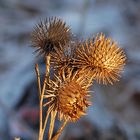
(60, 131)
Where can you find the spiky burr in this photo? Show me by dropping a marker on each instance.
(102, 58)
(50, 33)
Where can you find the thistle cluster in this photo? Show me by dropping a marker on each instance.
(76, 65)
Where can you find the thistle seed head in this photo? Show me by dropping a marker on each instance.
(50, 33)
(63, 58)
(69, 97)
(102, 57)
(72, 101)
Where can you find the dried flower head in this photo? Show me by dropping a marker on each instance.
(69, 96)
(102, 58)
(50, 33)
(63, 58)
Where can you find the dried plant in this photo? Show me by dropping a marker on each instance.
(50, 33)
(63, 58)
(76, 65)
(68, 95)
(102, 57)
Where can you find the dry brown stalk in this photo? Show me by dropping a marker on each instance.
(46, 118)
(58, 133)
(41, 127)
(53, 116)
(38, 79)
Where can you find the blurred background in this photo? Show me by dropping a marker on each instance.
(115, 114)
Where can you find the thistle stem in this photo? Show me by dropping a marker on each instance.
(47, 73)
(52, 121)
(46, 119)
(38, 79)
(60, 131)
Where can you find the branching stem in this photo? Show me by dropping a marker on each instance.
(41, 93)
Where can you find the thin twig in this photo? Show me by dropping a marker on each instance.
(46, 119)
(52, 121)
(38, 79)
(48, 103)
(60, 131)
(47, 73)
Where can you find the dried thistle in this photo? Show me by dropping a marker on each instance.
(63, 58)
(50, 33)
(76, 65)
(102, 57)
(68, 95)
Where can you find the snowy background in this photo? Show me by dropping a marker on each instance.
(115, 114)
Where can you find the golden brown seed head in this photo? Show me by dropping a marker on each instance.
(50, 33)
(70, 97)
(72, 101)
(63, 58)
(102, 58)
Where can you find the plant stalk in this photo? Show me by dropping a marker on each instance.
(46, 79)
(60, 131)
